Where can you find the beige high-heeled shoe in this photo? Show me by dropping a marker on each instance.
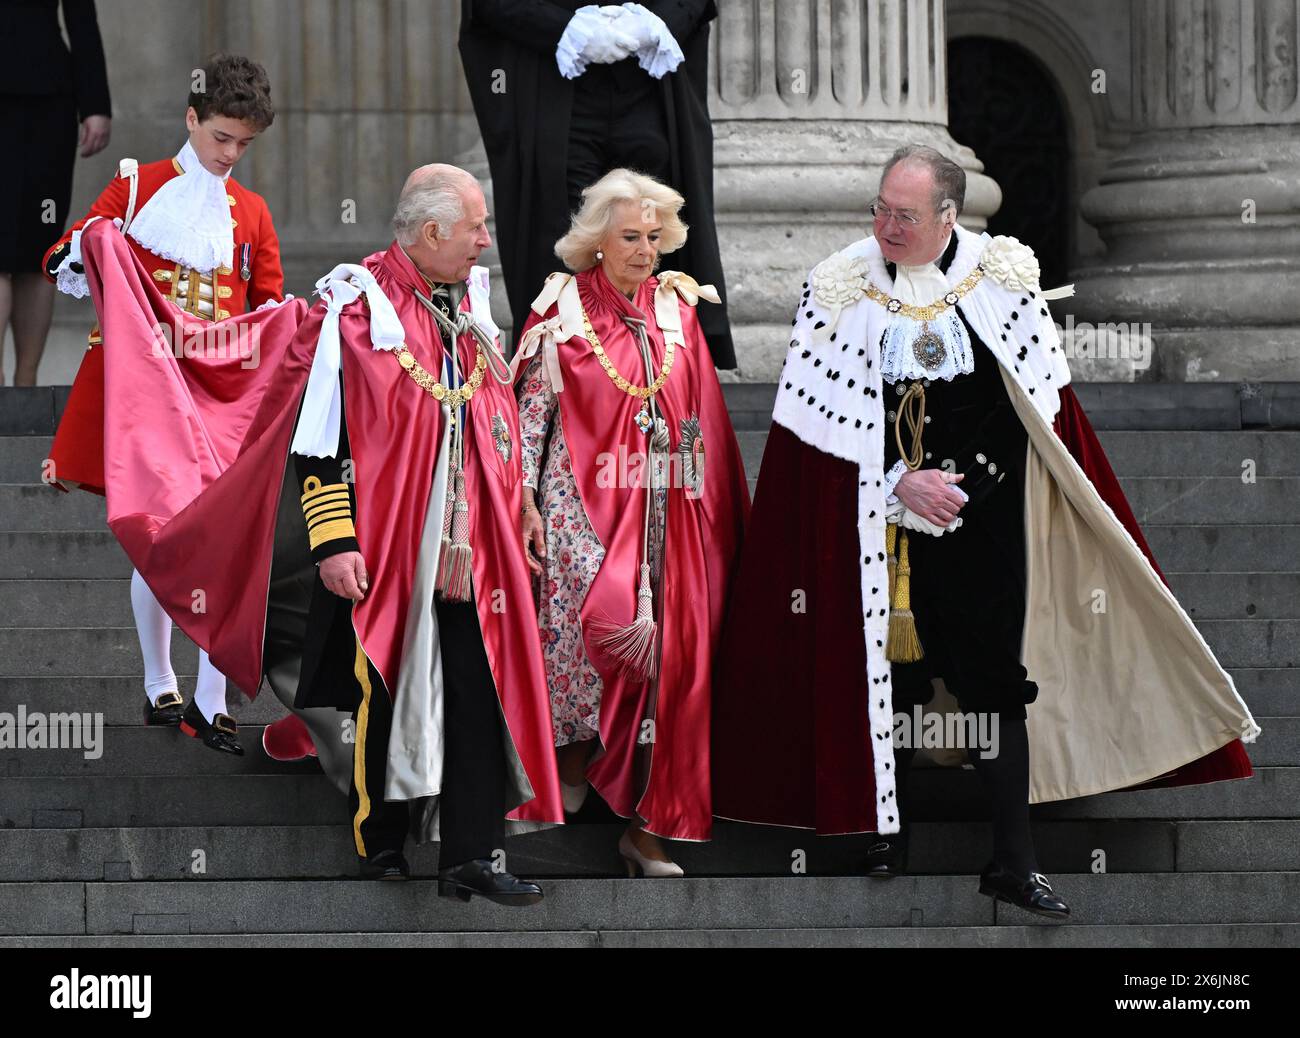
(650, 868)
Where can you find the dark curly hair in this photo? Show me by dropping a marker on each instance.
(236, 88)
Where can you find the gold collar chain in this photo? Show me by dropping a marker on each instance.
(640, 392)
(453, 397)
(926, 313)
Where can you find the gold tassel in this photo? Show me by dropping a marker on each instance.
(891, 553)
(904, 645)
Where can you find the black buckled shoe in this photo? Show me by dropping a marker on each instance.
(222, 734)
(477, 877)
(166, 712)
(1032, 893)
(387, 865)
(887, 858)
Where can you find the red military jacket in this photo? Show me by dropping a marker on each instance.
(253, 277)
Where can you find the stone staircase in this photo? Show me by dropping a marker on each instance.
(159, 841)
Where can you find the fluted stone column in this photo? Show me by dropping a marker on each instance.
(365, 91)
(808, 100)
(1201, 211)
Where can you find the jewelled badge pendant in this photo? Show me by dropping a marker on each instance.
(643, 420)
(929, 350)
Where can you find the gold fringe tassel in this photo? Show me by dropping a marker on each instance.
(904, 644)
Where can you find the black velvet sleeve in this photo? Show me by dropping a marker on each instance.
(89, 73)
(536, 24)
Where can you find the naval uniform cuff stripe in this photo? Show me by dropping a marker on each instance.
(319, 491)
(328, 517)
(334, 502)
(331, 531)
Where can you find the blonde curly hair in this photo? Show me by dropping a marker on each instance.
(591, 223)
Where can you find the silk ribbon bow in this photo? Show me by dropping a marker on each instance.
(317, 435)
(543, 336)
(671, 284)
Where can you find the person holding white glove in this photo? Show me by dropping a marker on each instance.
(565, 92)
(604, 35)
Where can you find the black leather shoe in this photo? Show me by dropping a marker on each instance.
(887, 858)
(387, 865)
(165, 713)
(1032, 893)
(477, 877)
(222, 734)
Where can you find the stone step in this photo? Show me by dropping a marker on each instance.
(1154, 453)
(143, 752)
(690, 904)
(1225, 549)
(1269, 691)
(589, 850)
(22, 458)
(1238, 596)
(1148, 453)
(1223, 501)
(1162, 500)
(95, 555)
(114, 651)
(103, 651)
(295, 797)
(70, 603)
(1275, 453)
(1110, 405)
(53, 602)
(62, 555)
(1002, 935)
(121, 699)
(38, 507)
(138, 750)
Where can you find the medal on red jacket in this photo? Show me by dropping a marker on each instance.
(246, 261)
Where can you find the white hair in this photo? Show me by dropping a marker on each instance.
(590, 224)
(438, 195)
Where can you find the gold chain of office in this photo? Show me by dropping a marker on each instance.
(933, 310)
(455, 398)
(640, 392)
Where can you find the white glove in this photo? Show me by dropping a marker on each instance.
(271, 304)
(897, 512)
(657, 50)
(593, 36)
(909, 520)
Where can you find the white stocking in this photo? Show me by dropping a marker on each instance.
(210, 692)
(155, 630)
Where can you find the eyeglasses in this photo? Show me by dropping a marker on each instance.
(880, 211)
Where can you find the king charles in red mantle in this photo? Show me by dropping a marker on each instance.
(383, 450)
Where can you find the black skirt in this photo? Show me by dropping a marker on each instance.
(36, 181)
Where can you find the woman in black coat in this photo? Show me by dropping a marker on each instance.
(47, 91)
(548, 136)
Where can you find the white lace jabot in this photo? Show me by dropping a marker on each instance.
(187, 220)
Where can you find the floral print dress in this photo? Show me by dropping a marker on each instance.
(573, 557)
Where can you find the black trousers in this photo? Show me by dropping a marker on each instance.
(618, 119)
(472, 802)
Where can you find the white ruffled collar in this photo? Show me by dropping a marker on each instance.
(187, 220)
(970, 246)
